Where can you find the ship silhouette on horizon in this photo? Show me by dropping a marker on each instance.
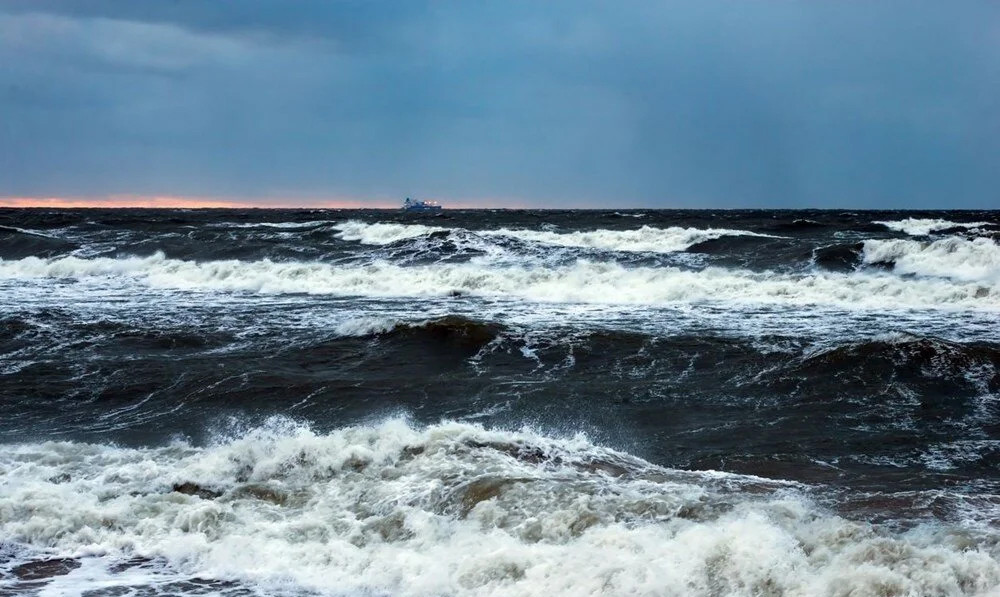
(412, 205)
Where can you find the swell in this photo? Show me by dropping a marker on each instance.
(905, 352)
(839, 257)
(61, 328)
(767, 406)
(16, 243)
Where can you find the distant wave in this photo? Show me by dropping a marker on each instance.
(453, 509)
(976, 260)
(923, 227)
(20, 242)
(16, 230)
(280, 225)
(582, 281)
(382, 233)
(644, 239)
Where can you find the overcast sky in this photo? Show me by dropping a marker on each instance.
(707, 103)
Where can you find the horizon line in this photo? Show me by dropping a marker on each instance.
(177, 202)
(380, 203)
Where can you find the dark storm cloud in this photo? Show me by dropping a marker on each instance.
(558, 103)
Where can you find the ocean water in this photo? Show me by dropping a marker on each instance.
(494, 403)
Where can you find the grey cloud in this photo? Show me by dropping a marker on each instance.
(874, 104)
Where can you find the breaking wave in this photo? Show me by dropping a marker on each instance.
(643, 240)
(365, 326)
(450, 326)
(976, 260)
(382, 233)
(453, 509)
(583, 281)
(924, 226)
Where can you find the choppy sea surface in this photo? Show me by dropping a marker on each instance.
(376, 403)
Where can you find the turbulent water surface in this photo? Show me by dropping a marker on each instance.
(498, 403)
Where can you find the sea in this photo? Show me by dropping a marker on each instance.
(499, 403)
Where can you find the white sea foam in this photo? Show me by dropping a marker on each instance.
(279, 225)
(458, 510)
(580, 282)
(644, 239)
(923, 227)
(365, 326)
(381, 233)
(976, 260)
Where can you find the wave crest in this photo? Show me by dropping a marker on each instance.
(646, 239)
(381, 233)
(643, 240)
(976, 260)
(582, 282)
(925, 226)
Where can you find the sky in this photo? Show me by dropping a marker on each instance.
(556, 103)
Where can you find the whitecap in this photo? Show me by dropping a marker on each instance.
(579, 282)
(646, 239)
(925, 226)
(956, 258)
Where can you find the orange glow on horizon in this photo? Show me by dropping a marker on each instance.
(179, 202)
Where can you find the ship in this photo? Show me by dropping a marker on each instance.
(411, 205)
